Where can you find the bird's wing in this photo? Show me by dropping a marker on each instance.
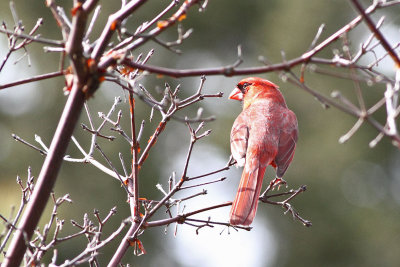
(287, 142)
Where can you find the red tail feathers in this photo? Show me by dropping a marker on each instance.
(244, 206)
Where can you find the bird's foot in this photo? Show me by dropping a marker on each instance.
(278, 182)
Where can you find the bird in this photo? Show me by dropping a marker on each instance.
(265, 133)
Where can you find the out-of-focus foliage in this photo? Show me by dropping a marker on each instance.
(352, 197)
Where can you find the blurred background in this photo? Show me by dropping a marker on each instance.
(352, 195)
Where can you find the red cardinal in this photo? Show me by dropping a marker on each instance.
(265, 133)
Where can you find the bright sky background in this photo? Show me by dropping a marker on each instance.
(210, 247)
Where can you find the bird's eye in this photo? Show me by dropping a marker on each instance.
(243, 87)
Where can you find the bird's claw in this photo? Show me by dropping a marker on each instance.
(278, 182)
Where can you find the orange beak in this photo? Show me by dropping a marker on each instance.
(236, 94)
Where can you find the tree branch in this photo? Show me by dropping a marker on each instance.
(377, 32)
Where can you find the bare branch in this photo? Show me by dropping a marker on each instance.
(377, 32)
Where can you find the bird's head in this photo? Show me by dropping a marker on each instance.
(251, 89)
